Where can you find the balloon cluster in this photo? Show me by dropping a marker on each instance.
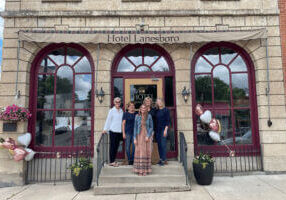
(211, 124)
(19, 152)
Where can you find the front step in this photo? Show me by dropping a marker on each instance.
(121, 180)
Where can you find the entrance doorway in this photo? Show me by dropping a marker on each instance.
(141, 71)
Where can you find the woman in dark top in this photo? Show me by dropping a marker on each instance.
(127, 130)
(162, 125)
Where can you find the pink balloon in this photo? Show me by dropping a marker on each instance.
(214, 125)
(199, 110)
(20, 153)
(9, 144)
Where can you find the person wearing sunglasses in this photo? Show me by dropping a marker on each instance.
(113, 125)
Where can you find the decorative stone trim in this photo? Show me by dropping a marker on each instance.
(60, 1)
(140, 0)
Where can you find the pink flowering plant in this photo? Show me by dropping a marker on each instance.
(14, 113)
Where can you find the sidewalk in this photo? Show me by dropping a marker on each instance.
(254, 187)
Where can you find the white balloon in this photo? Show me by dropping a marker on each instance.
(25, 139)
(30, 154)
(215, 136)
(206, 117)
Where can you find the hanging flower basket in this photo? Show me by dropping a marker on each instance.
(14, 113)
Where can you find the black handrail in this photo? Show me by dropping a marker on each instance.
(102, 151)
(183, 155)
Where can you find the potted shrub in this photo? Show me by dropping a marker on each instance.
(82, 173)
(203, 166)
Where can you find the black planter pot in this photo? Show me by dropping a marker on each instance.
(83, 180)
(204, 176)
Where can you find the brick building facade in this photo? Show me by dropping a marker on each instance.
(242, 117)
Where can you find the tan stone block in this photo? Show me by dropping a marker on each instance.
(272, 137)
(9, 89)
(184, 111)
(183, 75)
(10, 77)
(9, 22)
(48, 21)
(276, 100)
(277, 125)
(255, 21)
(275, 111)
(181, 102)
(115, 48)
(104, 55)
(26, 22)
(10, 43)
(104, 76)
(101, 112)
(185, 124)
(273, 150)
(104, 65)
(234, 21)
(99, 124)
(133, 21)
(182, 21)
(181, 53)
(11, 65)
(12, 5)
(10, 166)
(274, 41)
(74, 21)
(189, 136)
(273, 31)
(253, 45)
(274, 51)
(9, 53)
(275, 88)
(180, 86)
(10, 33)
(102, 22)
(210, 21)
(182, 64)
(274, 63)
(274, 75)
(9, 100)
(274, 163)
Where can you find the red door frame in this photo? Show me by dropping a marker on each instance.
(33, 96)
(253, 148)
(140, 75)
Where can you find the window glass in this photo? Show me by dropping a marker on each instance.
(82, 128)
(47, 66)
(83, 91)
(73, 56)
(161, 65)
(240, 90)
(64, 88)
(63, 128)
(125, 66)
(58, 56)
(150, 56)
(135, 56)
(243, 133)
(238, 65)
(202, 66)
(45, 98)
(143, 69)
(227, 55)
(221, 86)
(83, 66)
(212, 55)
(224, 116)
(203, 85)
(44, 128)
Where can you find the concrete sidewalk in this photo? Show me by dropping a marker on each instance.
(254, 187)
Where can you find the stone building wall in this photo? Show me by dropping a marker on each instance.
(33, 15)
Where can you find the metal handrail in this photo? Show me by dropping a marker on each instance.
(102, 157)
(183, 155)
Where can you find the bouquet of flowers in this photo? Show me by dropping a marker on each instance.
(14, 113)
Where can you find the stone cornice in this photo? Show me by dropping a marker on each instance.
(130, 13)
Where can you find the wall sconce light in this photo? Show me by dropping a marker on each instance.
(100, 95)
(185, 94)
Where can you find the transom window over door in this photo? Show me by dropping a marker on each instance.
(63, 98)
(223, 82)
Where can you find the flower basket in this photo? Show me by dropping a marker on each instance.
(14, 113)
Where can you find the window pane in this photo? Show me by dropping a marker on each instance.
(44, 128)
(83, 91)
(150, 56)
(45, 99)
(238, 65)
(143, 69)
(125, 66)
(118, 88)
(169, 97)
(47, 66)
(240, 91)
(203, 137)
(82, 128)
(221, 86)
(224, 116)
(63, 128)
(64, 87)
(82, 66)
(202, 66)
(135, 56)
(58, 56)
(243, 133)
(212, 55)
(139, 92)
(72, 56)
(203, 89)
(161, 66)
(227, 55)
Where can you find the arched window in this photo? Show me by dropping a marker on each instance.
(223, 82)
(62, 92)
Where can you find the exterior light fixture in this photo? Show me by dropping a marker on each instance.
(185, 94)
(100, 95)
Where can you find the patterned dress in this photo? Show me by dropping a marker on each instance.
(143, 152)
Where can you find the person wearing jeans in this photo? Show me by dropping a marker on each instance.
(127, 130)
(162, 125)
(113, 124)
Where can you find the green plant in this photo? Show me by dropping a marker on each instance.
(203, 159)
(81, 164)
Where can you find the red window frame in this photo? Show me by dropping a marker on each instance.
(220, 150)
(150, 74)
(33, 97)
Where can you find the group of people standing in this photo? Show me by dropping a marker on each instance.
(138, 131)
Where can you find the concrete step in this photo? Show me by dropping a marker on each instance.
(134, 178)
(135, 188)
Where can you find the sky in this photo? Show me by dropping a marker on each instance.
(2, 3)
